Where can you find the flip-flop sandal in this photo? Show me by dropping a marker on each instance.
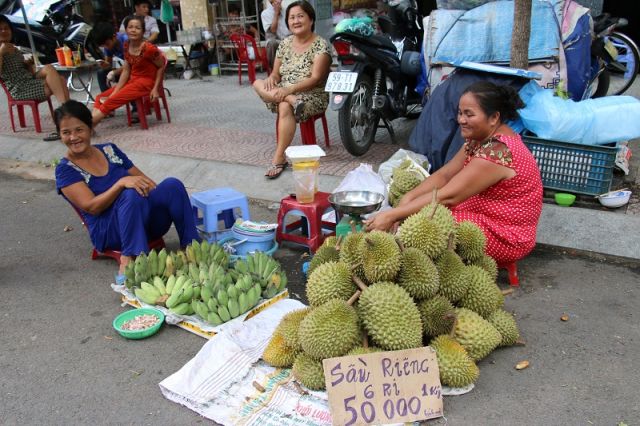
(277, 168)
(53, 136)
(298, 109)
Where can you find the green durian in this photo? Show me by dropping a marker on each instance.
(437, 315)
(380, 256)
(390, 316)
(277, 354)
(506, 325)
(487, 263)
(361, 350)
(309, 372)
(330, 330)
(351, 255)
(475, 334)
(442, 217)
(457, 369)
(470, 241)
(453, 283)
(331, 280)
(418, 274)
(405, 180)
(424, 234)
(289, 326)
(483, 295)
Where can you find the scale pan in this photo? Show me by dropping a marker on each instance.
(356, 202)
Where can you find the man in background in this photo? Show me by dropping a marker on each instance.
(112, 45)
(275, 26)
(151, 30)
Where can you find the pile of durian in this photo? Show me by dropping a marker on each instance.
(430, 284)
(404, 178)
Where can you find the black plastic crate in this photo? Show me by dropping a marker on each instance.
(573, 167)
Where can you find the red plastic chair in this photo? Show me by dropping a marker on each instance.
(144, 104)
(240, 41)
(20, 106)
(308, 130)
(157, 244)
(512, 271)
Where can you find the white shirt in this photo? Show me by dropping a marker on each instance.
(150, 26)
(267, 16)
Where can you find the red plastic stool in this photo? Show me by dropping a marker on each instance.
(310, 223)
(512, 270)
(308, 130)
(115, 254)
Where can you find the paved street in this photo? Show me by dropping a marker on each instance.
(63, 363)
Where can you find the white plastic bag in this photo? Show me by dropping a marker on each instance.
(386, 169)
(362, 178)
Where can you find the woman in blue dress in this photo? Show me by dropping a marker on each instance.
(121, 206)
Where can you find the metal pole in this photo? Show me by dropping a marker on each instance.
(34, 53)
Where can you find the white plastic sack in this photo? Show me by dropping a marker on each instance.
(420, 162)
(362, 178)
(591, 122)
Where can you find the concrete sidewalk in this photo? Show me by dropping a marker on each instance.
(220, 135)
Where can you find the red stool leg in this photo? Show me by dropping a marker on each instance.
(142, 113)
(325, 128)
(512, 270)
(13, 124)
(239, 72)
(166, 108)
(36, 116)
(21, 116)
(128, 114)
(251, 67)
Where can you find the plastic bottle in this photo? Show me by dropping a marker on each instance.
(77, 59)
(68, 57)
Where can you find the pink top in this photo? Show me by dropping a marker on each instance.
(508, 212)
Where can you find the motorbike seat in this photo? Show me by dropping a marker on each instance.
(379, 41)
(383, 42)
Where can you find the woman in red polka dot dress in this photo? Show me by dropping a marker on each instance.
(492, 181)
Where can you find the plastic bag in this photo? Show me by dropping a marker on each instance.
(592, 121)
(362, 178)
(420, 162)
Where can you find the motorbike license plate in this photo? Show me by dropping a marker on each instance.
(341, 81)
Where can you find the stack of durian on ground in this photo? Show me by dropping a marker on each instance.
(404, 178)
(430, 284)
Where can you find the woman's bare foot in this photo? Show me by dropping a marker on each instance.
(124, 261)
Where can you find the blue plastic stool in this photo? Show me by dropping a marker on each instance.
(218, 205)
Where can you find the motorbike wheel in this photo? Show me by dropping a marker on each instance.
(603, 85)
(624, 70)
(356, 120)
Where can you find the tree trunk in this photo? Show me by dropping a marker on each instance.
(520, 35)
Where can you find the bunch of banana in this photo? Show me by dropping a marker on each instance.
(206, 253)
(181, 291)
(266, 270)
(225, 300)
(153, 294)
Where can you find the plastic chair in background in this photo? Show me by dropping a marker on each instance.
(157, 244)
(144, 104)
(241, 43)
(20, 104)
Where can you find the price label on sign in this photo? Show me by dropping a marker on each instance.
(384, 387)
(341, 81)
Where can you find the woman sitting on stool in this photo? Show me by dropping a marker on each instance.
(141, 74)
(21, 78)
(122, 208)
(295, 88)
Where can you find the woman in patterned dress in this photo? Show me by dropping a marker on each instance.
(122, 207)
(20, 77)
(141, 74)
(295, 88)
(492, 181)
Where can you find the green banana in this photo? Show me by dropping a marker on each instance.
(181, 309)
(232, 292)
(152, 261)
(191, 258)
(223, 312)
(234, 308)
(159, 284)
(162, 262)
(222, 297)
(174, 299)
(187, 293)
(202, 276)
(171, 282)
(195, 245)
(194, 272)
(170, 267)
(181, 259)
(241, 266)
(212, 304)
(283, 281)
(243, 302)
(206, 294)
(197, 289)
(214, 319)
(145, 297)
(150, 290)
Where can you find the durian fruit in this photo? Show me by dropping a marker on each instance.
(394, 196)
(453, 284)
(437, 315)
(330, 330)
(442, 217)
(380, 256)
(331, 280)
(457, 369)
(289, 326)
(475, 334)
(418, 274)
(470, 241)
(487, 263)
(327, 252)
(483, 295)
(277, 354)
(361, 350)
(506, 325)
(350, 253)
(390, 316)
(422, 233)
(404, 180)
(309, 372)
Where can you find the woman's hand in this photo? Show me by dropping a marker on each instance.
(142, 184)
(270, 83)
(383, 221)
(282, 93)
(154, 94)
(6, 48)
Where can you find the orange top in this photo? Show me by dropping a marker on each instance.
(142, 65)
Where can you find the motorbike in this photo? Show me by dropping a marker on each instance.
(53, 24)
(377, 75)
(617, 58)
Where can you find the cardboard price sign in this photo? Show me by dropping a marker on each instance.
(384, 387)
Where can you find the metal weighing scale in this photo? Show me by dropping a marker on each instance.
(351, 205)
